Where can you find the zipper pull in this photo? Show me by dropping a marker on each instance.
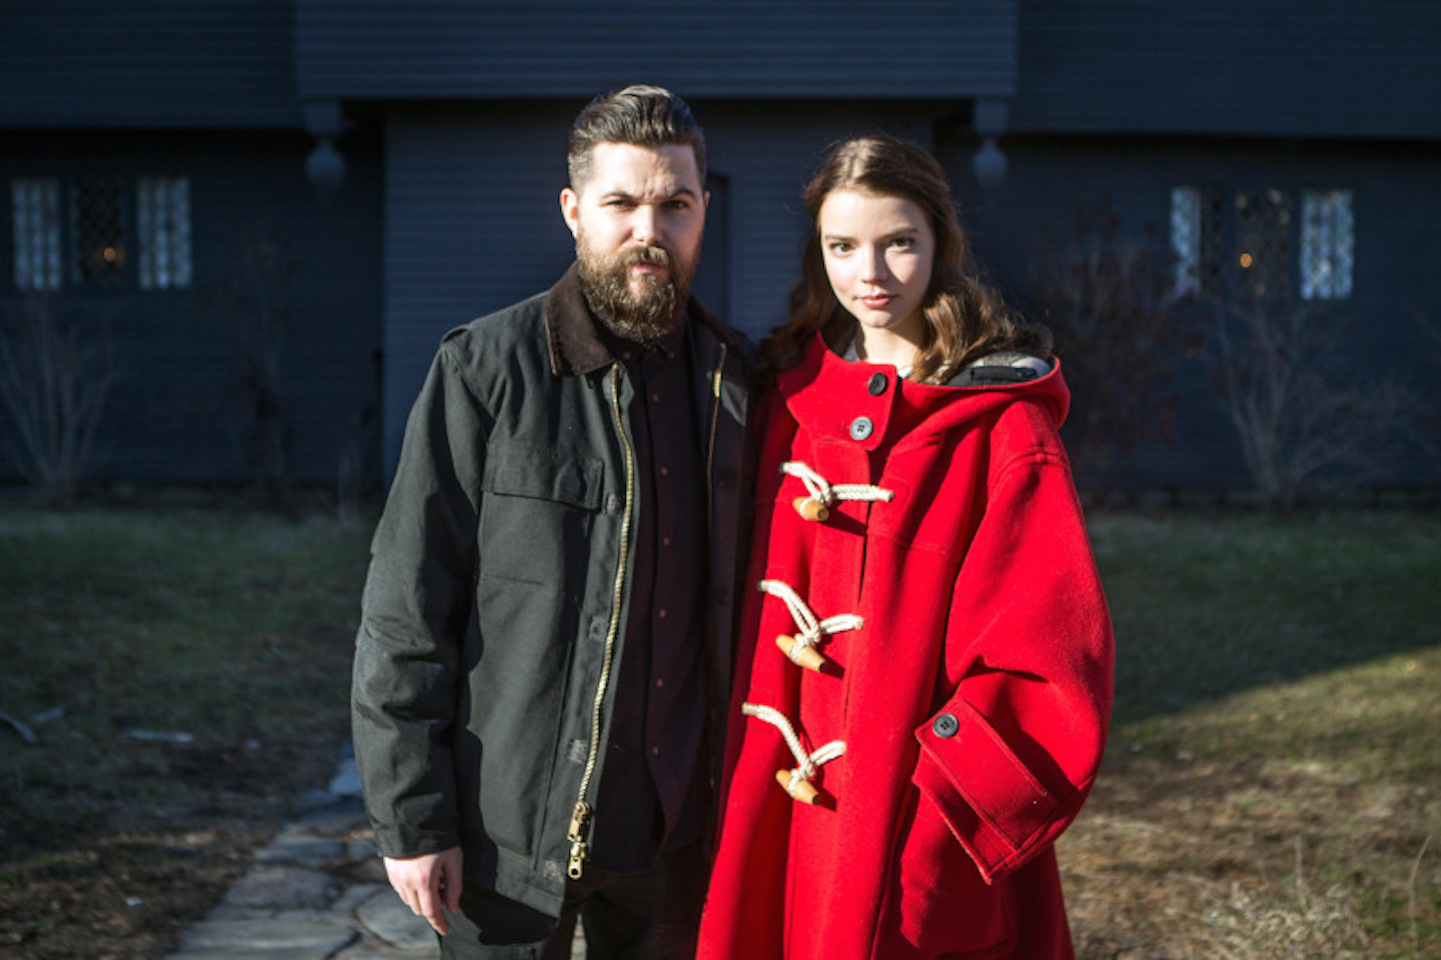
(578, 846)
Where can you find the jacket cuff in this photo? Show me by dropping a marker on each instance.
(993, 805)
(399, 842)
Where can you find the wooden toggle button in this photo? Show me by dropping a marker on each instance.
(811, 509)
(807, 656)
(804, 791)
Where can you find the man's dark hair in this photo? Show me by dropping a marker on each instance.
(641, 115)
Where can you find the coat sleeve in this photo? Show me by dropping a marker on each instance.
(1011, 754)
(414, 614)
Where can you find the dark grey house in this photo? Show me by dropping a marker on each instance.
(299, 198)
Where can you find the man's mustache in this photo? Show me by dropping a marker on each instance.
(654, 253)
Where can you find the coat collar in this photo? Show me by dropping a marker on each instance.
(571, 331)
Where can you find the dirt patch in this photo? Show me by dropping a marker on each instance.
(1179, 858)
(125, 887)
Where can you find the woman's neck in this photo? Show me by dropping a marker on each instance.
(884, 346)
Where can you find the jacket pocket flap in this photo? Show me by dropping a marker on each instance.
(547, 475)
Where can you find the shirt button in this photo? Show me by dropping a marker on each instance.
(661, 613)
(655, 751)
(946, 726)
(665, 471)
(665, 541)
(655, 398)
(659, 682)
(861, 428)
(877, 384)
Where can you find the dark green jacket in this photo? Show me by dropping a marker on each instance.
(493, 613)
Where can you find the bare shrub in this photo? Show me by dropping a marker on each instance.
(1308, 416)
(1105, 293)
(252, 309)
(54, 380)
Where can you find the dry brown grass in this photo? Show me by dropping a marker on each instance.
(1297, 813)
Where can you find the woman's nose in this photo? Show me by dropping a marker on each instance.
(873, 266)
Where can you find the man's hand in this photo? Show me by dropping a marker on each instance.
(426, 883)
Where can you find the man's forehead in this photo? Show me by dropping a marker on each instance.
(626, 167)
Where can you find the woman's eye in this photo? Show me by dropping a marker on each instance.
(839, 248)
(904, 243)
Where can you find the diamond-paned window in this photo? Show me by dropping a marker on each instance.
(35, 229)
(1197, 220)
(97, 229)
(1328, 244)
(1263, 243)
(162, 222)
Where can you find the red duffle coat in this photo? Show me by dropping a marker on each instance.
(973, 699)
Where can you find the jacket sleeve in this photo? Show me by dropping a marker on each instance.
(1010, 756)
(414, 613)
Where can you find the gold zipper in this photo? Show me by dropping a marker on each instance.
(583, 810)
(710, 446)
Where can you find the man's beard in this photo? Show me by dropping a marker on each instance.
(652, 312)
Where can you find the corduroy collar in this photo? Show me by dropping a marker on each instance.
(578, 343)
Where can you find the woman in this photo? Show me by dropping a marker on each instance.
(924, 680)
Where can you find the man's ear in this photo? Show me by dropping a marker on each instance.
(570, 209)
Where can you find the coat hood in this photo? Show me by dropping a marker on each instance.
(829, 396)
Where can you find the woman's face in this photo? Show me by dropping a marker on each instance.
(878, 253)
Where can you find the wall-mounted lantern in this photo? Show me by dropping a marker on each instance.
(990, 119)
(324, 167)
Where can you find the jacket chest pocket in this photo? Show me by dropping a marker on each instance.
(537, 514)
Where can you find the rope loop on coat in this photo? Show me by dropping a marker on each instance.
(807, 764)
(811, 629)
(824, 494)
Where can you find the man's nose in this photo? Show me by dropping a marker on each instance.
(645, 224)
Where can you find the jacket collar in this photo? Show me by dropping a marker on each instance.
(571, 332)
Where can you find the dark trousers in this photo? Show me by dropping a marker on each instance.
(644, 916)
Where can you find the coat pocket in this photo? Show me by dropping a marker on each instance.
(537, 514)
(938, 904)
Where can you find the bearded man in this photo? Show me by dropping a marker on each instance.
(543, 663)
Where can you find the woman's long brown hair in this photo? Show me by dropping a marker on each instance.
(965, 317)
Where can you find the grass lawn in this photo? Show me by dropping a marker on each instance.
(184, 674)
(1273, 787)
(1273, 784)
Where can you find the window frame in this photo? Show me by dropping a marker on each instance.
(48, 224)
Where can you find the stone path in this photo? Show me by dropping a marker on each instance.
(316, 892)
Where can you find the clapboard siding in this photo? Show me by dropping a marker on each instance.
(473, 225)
(1396, 201)
(1342, 68)
(148, 64)
(385, 49)
(179, 415)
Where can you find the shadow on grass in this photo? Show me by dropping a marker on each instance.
(1207, 606)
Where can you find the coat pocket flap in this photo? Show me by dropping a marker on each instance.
(574, 480)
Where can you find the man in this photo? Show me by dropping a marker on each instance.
(543, 662)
